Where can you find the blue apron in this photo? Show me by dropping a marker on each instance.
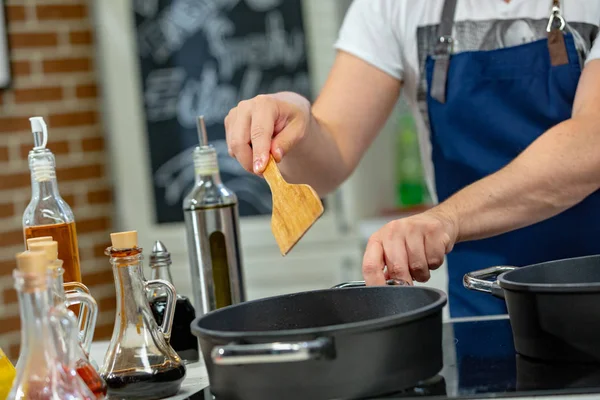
(486, 107)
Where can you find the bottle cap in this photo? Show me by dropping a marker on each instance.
(124, 240)
(38, 240)
(34, 262)
(205, 155)
(50, 249)
(160, 254)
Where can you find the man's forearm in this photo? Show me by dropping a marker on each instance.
(557, 171)
(316, 160)
(351, 109)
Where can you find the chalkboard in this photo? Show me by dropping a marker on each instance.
(201, 57)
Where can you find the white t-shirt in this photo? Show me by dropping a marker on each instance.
(397, 35)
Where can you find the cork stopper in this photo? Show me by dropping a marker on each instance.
(50, 248)
(33, 262)
(38, 240)
(124, 240)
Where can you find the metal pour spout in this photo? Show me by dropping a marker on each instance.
(202, 135)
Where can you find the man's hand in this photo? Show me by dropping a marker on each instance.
(266, 124)
(408, 248)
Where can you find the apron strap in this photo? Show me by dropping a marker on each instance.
(443, 49)
(556, 40)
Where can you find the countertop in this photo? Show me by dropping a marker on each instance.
(197, 379)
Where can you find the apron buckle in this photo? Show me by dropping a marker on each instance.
(445, 45)
(554, 16)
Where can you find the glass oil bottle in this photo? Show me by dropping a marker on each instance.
(60, 300)
(212, 226)
(45, 370)
(139, 362)
(7, 375)
(48, 214)
(85, 317)
(182, 340)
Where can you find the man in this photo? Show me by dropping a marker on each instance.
(506, 96)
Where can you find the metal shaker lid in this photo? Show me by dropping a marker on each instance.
(160, 254)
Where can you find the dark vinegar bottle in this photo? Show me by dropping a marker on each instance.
(139, 362)
(182, 340)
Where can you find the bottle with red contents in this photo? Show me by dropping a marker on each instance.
(139, 363)
(78, 295)
(46, 367)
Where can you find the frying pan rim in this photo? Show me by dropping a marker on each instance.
(353, 327)
(506, 283)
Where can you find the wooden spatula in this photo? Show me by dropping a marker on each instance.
(295, 208)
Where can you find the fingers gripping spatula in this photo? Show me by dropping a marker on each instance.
(295, 208)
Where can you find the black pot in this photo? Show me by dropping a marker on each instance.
(540, 375)
(554, 307)
(340, 343)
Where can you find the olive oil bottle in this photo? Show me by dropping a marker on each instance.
(212, 225)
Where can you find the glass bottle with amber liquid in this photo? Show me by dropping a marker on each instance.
(182, 340)
(48, 214)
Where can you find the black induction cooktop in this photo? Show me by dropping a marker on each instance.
(480, 362)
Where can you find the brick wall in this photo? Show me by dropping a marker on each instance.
(52, 60)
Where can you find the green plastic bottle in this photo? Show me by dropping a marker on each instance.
(411, 189)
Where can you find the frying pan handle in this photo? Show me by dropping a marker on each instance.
(390, 282)
(476, 280)
(268, 353)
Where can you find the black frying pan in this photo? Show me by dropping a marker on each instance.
(342, 343)
(554, 307)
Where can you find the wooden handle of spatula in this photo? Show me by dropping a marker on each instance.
(272, 174)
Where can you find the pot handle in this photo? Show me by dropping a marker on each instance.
(476, 280)
(390, 282)
(269, 353)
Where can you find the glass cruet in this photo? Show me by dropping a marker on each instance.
(69, 291)
(70, 294)
(139, 362)
(61, 300)
(48, 339)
